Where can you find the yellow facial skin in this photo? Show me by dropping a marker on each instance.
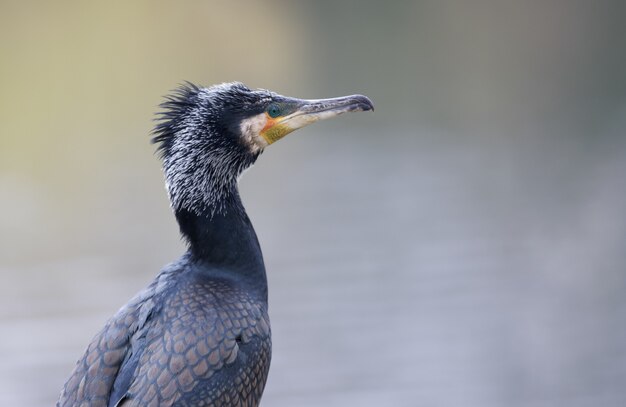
(274, 130)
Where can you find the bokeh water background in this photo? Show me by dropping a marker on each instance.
(463, 245)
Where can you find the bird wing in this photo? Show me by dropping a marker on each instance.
(94, 374)
(180, 345)
(109, 357)
(189, 350)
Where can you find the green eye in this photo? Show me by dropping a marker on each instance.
(273, 111)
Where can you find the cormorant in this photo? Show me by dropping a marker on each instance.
(199, 334)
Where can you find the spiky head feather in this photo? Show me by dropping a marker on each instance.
(200, 142)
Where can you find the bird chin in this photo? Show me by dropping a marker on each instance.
(251, 132)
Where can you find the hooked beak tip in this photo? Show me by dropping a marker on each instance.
(364, 103)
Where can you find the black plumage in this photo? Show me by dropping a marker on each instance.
(199, 334)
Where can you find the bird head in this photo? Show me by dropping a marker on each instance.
(208, 136)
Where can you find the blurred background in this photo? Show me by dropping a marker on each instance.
(464, 245)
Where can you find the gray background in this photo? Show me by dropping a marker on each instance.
(464, 245)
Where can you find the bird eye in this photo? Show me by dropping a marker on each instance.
(273, 111)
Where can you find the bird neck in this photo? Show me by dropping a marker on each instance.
(224, 242)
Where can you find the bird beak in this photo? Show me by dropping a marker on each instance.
(301, 112)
